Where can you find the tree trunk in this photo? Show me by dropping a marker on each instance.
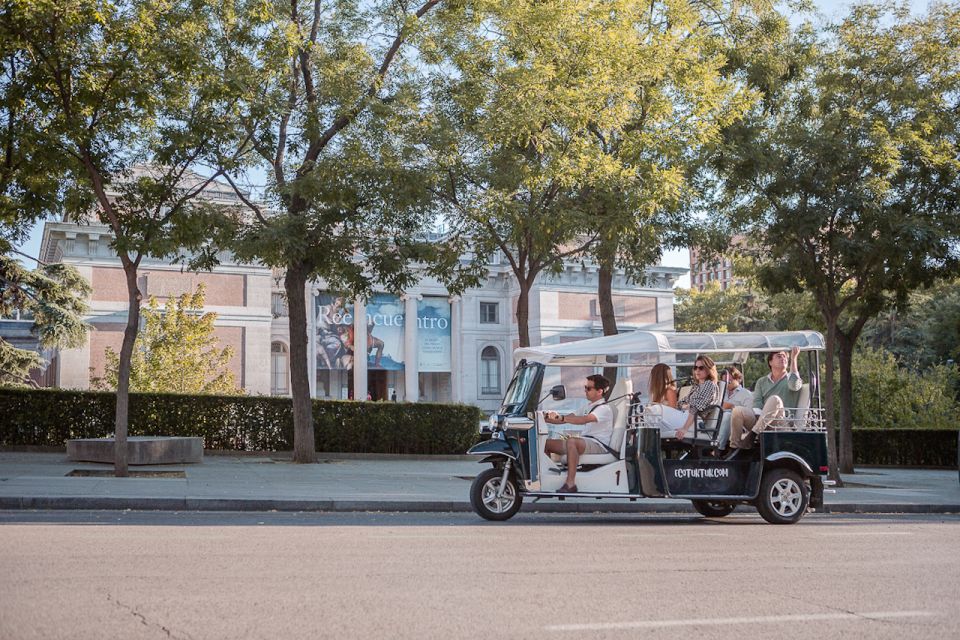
(831, 342)
(846, 402)
(608, 317)
(523, 312)
(304, 444)
(121, 419)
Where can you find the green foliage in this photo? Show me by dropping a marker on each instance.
(717, 310)
(49, 417)
(54, 296)
(567, 123)
(847, 176)
(122, 99)
(677, 83)
(334, 115)
(888, 396)
(128, 93)
(741, 309)
(330, 99)
(176, 351)
(926, 332)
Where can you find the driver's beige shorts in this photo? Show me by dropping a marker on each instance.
(593, 446)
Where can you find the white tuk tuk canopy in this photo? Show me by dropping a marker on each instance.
(646, 347)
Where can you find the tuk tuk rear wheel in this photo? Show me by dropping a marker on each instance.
(484, 499)
(713, 509)
(783, 496)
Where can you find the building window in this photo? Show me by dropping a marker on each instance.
(490, 371)
(278, 369)
(279, 306)
(489, 313)
(619, 308)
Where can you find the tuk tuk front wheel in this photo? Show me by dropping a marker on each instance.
(486, 502)
(713, 509)
(783, 496)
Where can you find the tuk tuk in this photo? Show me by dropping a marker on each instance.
(782, 475)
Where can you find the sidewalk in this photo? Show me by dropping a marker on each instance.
(249, 483)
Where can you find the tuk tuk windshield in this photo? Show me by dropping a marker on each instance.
(522, 385)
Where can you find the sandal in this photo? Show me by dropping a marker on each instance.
(567, 489)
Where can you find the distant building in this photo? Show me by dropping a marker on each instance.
(458, 349)
(719, 270)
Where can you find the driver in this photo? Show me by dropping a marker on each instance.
(597, 419)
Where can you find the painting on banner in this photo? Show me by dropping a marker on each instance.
(385, 319)
(335, 332)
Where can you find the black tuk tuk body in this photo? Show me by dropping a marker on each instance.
(782, 475)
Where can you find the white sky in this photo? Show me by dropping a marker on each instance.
(673, 258)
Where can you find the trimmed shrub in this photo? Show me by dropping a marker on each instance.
(242, 423)
(906, 447)
(889, 396)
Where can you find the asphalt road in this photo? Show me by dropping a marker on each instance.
(295, 575)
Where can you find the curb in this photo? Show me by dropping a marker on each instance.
(890, 507)
(62, 503)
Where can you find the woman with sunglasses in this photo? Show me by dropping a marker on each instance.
(674, 423)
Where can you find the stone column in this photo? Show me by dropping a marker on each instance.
(411, 350)
(456, 349)
(359, 350)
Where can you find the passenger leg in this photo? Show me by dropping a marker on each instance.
(741, 420)
(772, 411)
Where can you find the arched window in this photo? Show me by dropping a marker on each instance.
(278, 369)
(490, 371)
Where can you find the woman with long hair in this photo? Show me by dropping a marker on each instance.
(674, 423)
(663, 388)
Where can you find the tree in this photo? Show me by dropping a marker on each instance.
(715, 309)
(514, 139)
(53, 295)
(926, 332)
(887, 395)
(330, 97)
(122, 98)
(178, 351)
(849, 177)
(678, 90)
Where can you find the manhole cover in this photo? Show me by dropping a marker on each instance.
(107, 473)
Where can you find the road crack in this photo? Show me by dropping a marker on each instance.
(887, 621)
(143, 620)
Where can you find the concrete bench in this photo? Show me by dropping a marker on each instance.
(140, 450)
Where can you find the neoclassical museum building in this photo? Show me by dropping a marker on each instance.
(422, 345)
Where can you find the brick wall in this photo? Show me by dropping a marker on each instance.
(223, 289)
(101, 337)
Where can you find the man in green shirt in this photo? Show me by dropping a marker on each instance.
(771, 394)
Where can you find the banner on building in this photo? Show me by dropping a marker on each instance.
(385, 318)
(335, 332)
(433, 334)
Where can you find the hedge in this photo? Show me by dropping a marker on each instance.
(906, 447)
(48, 417)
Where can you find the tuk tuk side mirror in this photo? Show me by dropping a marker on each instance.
(558, 392)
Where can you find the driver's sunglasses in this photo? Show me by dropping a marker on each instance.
(586, 388)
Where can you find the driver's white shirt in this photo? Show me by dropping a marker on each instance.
(602, 429)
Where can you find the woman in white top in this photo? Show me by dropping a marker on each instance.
(674, 423)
